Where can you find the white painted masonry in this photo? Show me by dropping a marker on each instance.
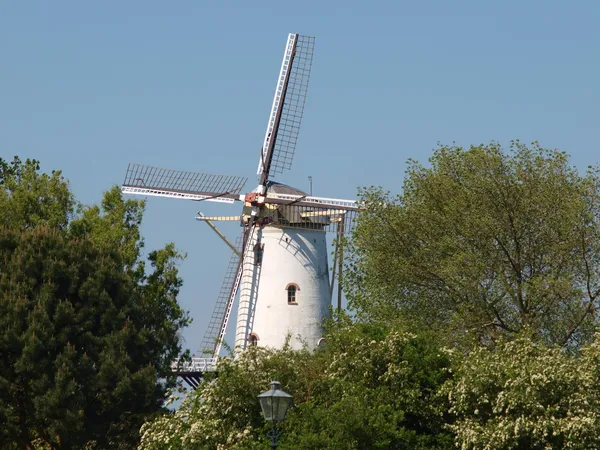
(290, 256)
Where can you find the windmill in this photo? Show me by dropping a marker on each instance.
(279, 264)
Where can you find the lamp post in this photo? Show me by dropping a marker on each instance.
(274, 404)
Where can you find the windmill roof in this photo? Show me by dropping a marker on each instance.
(279, 188)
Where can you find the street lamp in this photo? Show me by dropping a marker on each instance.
(274, 404)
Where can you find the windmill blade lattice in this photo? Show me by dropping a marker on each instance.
(157, 181)
(288, 106)
(305, 200)
(215, 332)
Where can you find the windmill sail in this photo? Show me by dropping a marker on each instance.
(288, 107)
(150, 180)
(215, 332)
(305, 200)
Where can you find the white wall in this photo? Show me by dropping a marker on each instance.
(292, 256)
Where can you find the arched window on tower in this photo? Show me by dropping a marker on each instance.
(292, 293)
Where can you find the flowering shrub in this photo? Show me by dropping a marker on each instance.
(364, 389)
(224, 412)
(526, 395)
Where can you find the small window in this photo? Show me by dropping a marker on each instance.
(259, 250)
(253, 340)
(292, 293)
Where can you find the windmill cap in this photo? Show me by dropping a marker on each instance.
(279, 188)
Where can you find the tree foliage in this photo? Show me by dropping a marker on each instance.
(378, 387)
(114, 223)
(367, 389)
(483, 243)
(377, 390)
(29, 199)
(526, 395)
(86, 331)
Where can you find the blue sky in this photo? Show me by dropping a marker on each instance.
(88, 87)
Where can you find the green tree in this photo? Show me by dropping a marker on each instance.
(13, 168)
(114, 223)
(376, 389)
(368, 388)
(524, 395)
(86, 331)
(483, 243)
(29, 198)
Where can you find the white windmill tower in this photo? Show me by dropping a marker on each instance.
(279, 265)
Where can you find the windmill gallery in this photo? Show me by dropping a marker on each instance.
(279, 265)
